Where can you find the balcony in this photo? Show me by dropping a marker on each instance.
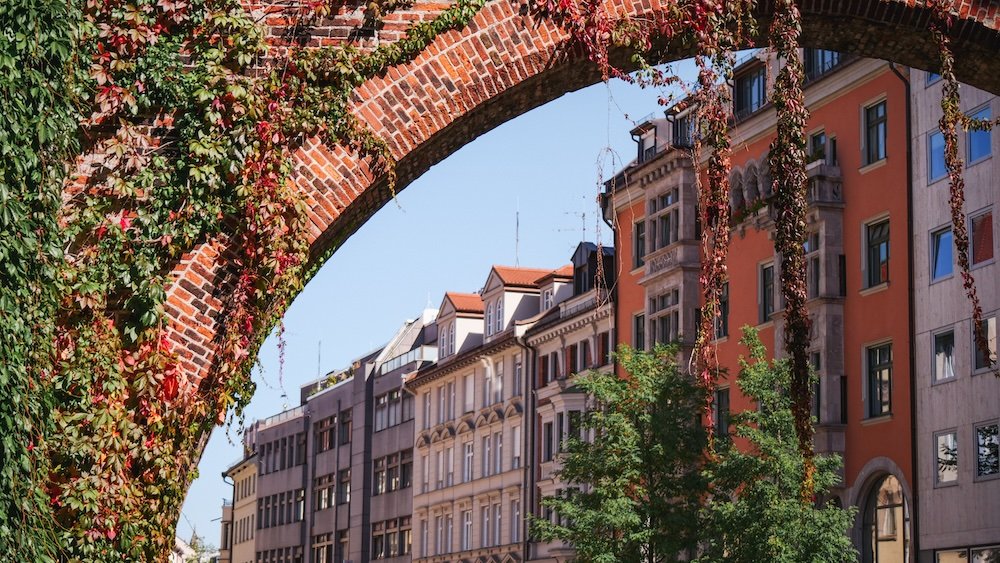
(825, 179)
(420, 354)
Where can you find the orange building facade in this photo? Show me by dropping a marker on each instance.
(857, 255)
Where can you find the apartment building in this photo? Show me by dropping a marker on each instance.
(651, 204)
(858, 296)
(239, 518)
(957, 468)
(470, 448)
(330, 480)
(571, 334)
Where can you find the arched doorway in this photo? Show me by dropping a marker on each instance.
(886, 523)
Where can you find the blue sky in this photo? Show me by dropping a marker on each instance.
(442, 234)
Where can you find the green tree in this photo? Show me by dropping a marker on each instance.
(755, 512)
(635, 491)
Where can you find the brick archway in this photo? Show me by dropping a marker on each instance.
(502, 65)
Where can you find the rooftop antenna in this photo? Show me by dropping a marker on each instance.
(319, 358)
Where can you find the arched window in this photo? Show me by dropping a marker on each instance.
(764, 177)
(736, 199)
(451, 338)
(499, 317)
(886, 532)
(489, 319)
(750, 186)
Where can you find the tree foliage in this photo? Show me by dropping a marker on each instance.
(639, 482)
(755, 513)
(646, 488)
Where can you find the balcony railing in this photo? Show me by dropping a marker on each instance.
(282, 417)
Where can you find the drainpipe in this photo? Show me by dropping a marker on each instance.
(911, 323)
(527, 453)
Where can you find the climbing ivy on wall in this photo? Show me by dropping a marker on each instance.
(134, 131)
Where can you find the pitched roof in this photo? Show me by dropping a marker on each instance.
(465, 302)
(520, 277)
(563, 272)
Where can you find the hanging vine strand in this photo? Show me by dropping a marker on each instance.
(786, 160)
(952, 118)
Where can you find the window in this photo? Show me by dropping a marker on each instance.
(941, 257)
(489, 319)
(989, 329)
(683, 132)
(886, 524)
(750, 92)
(498, 382)
(877, 239)
(944, 356)
(324, 492)
(450, 399)
(486, 457)
(665, 219)
(405, 469)
(424, 538)
(817, 147)
(813, 272)
(344, 491)
(931, 78)
(345, 427)
(720, 412)
(722, 319)
(449, 527)
(546, 299)
(378, 487)
(516, 449)
(439, 483)
(497, 520)
(342, 546)
(547, 449)
(879, 380)
(982, 237)
(425, 473)
(427, 410)
(449, 477)
(977, 143)
(324, 433)
(818, 62)
(515, 521)
(468, 392)
(987, 450)
(936, 168)
(604, 348)
(946, 446)
(639, 332)
(467, 461)
(438, 535)
(497, 453)
(639, 244)
(466, 530)
(484, 526)
(766, 292)
(442, 407)
(518, 376)
(498, 326)
(875, 132)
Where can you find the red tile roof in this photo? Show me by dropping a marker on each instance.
(564, 272)
(520, 277)
(465, 302)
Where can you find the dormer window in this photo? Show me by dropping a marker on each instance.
(489, 320)
(683, 132)
(648, 145)
(499, 315)
(546, 299)
(446, 347)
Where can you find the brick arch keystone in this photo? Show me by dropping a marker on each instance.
(500, 66)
